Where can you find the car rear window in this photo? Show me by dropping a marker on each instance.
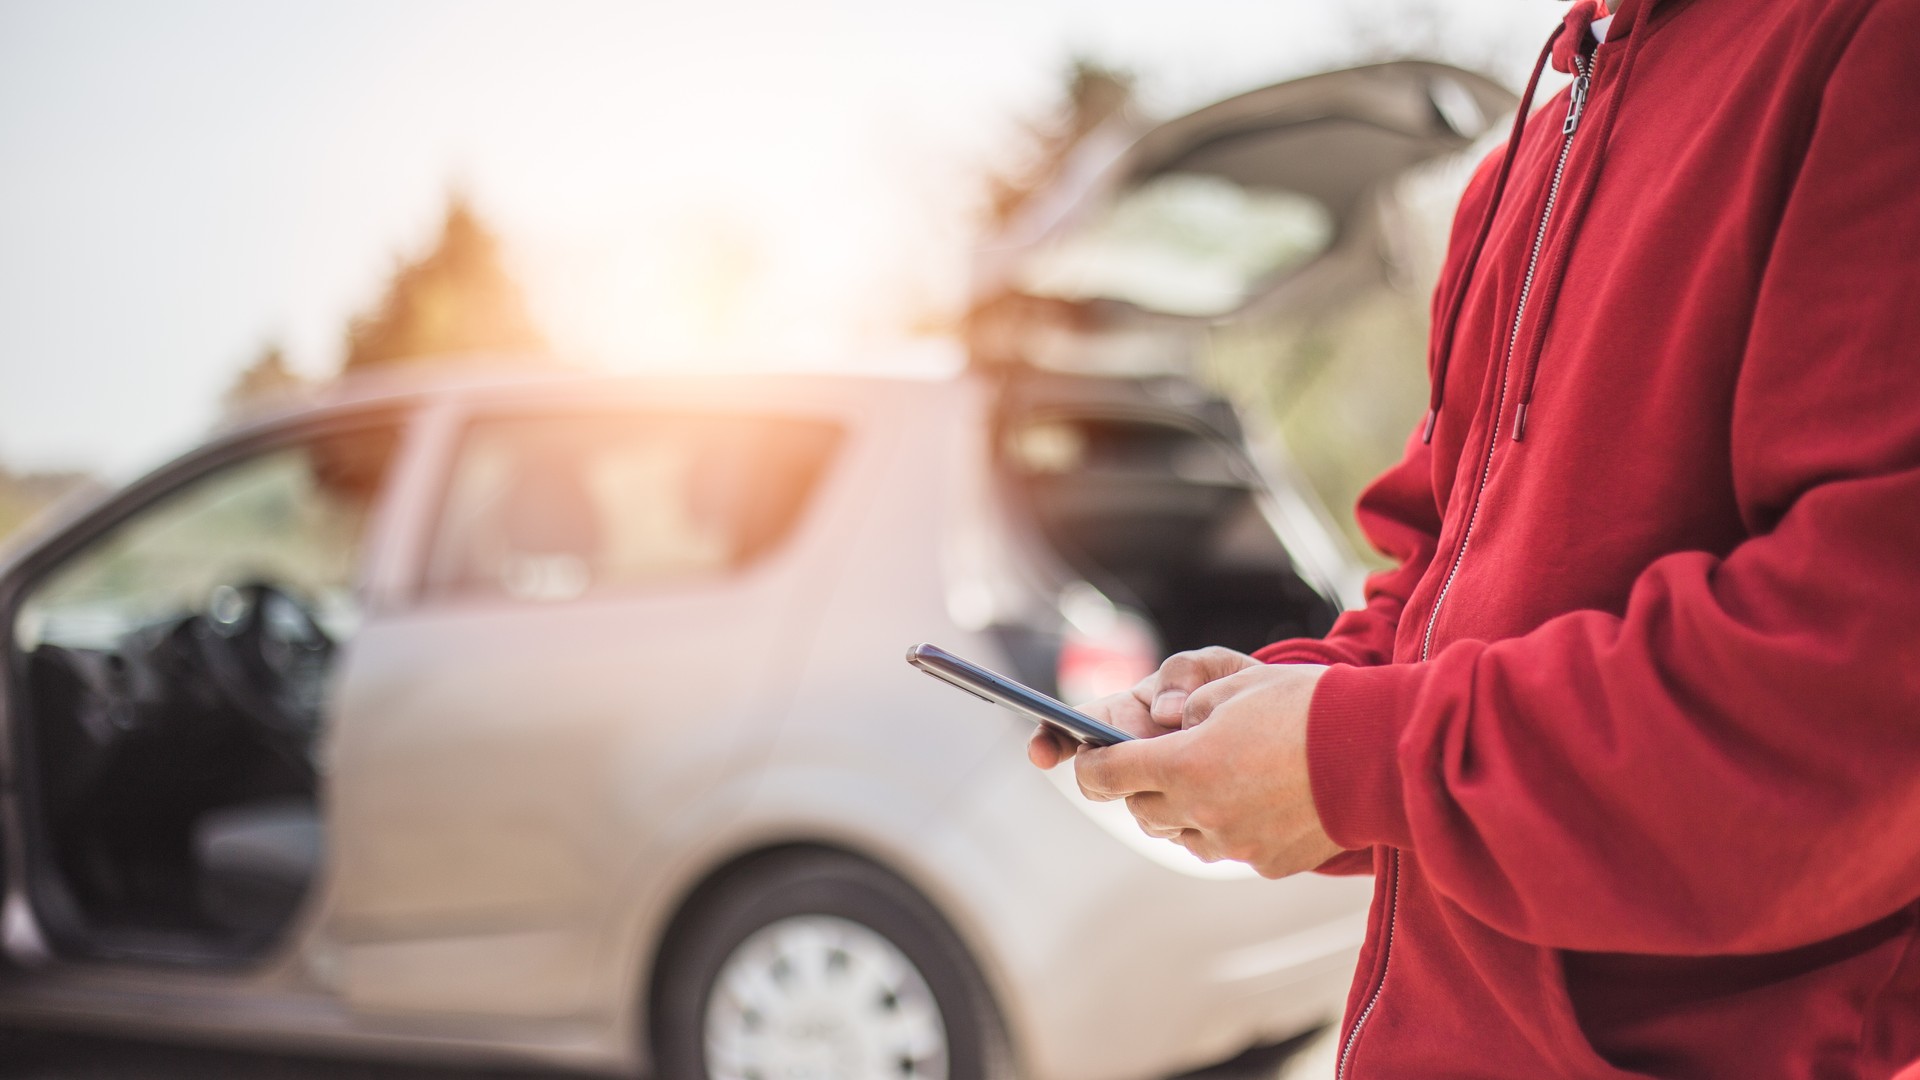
(556, 506)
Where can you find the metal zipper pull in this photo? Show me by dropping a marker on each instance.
(1577, 96)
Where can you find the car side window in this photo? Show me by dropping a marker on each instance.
(553, 507)
(292, 517)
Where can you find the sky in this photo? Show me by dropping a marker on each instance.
(728, 182)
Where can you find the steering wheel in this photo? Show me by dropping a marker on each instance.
(269, 658)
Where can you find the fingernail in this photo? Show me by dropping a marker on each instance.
(1169, 702)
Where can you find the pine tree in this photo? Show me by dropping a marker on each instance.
(24, 495)
(457, 300)
(1093, 93)
(264, 384)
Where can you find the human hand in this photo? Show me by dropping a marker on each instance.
(1233, 784)
(1155, 706)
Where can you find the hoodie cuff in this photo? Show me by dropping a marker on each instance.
(1296, 651)
(1353, 762)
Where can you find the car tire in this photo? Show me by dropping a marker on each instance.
(797, 903)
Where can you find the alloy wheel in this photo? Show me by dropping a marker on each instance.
(817, 997)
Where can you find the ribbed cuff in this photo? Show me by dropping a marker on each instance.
(1296, 651)
(1353, 761)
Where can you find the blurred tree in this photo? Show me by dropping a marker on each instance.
(456, 300)
(1094, 94)
(1345, 384)
(264, 384)
(1377, 30)
(1342, 387)
(23, 495)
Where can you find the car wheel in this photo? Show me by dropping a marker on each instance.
(820, 965)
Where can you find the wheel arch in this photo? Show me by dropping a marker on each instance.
(719, 873)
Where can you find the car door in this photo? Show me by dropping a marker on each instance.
(170, 660)
(606, 607)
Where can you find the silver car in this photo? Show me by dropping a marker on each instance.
(564, 719)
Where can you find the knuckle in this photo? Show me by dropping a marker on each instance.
(1225, 661)
(1183, 663)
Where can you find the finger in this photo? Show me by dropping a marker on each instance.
(1197, 842)
(1106, 773)
(1203, 702)
(1127, 712)
(1185, 672)
(1155, 815)
(1047, 748)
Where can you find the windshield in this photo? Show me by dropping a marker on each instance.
(1182, 244)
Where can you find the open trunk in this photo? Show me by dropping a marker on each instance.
(1093, 302)
(1157, 505)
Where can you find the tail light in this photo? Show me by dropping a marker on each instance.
(1106, 649)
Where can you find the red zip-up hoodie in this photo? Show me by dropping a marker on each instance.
(1632, 733)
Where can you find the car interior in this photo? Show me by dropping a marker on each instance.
(171, 677)
(1157, 505)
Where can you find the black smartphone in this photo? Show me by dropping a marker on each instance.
(1025, 700)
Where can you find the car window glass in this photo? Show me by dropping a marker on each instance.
(292, 517)
(1182, 244)
(545, 508)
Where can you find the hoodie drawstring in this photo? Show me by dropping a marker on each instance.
(1437, 396)
(1567, 39)
(1577, 209)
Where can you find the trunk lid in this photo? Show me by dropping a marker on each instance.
(1145, 234)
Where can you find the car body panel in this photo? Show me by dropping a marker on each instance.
(475, 733)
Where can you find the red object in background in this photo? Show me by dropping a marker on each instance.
(1633, 732)
(1093, 665)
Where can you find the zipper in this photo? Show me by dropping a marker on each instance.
(1386, 957)
(1576, 108)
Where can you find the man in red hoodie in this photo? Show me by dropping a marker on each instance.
(1630, 736)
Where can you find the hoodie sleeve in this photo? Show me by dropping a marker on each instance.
(1732, 765)
(1398, 515)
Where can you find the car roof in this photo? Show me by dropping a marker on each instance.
(927, 380)
(500, 379)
